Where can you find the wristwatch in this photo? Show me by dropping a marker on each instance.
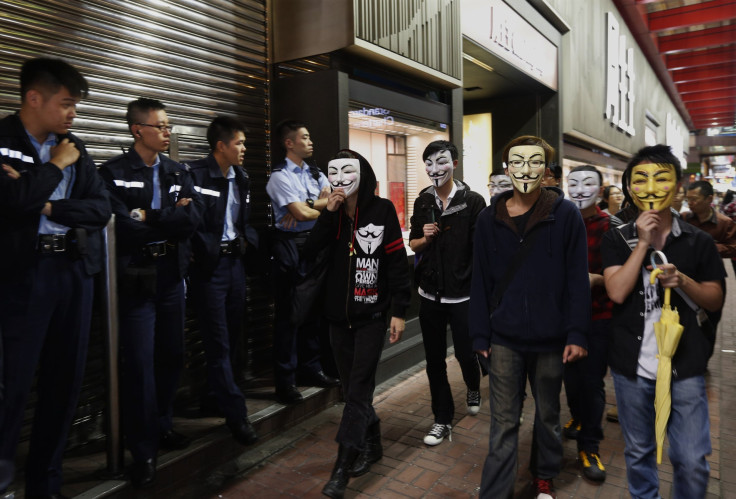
(310, 203)
(136, 214)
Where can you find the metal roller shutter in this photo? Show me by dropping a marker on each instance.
(201, 58)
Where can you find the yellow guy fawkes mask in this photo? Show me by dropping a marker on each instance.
(653, 186)
(526, 165)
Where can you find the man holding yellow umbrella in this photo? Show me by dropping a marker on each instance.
(696, 273)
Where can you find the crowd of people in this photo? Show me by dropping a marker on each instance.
(537, 287)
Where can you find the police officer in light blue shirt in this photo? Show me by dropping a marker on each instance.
(218, 270)
(298, 193)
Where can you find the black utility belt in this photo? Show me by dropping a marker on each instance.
(235, 247)
(73, 244)
(158, 249)
(54, 243)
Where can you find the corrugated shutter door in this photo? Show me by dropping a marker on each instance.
(201, 58)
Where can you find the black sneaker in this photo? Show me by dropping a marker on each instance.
(438, 433)
(571, 429)
(593, 468)
(473, 402)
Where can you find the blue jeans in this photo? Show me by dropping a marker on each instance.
(688, 432)
(509, 371)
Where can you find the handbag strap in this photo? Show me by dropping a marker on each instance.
(508, 276)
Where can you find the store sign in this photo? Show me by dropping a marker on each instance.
(375, 117)
(497, 27)
(619, 79)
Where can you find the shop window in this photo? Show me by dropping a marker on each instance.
(393, 144)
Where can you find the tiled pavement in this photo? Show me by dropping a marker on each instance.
(298, 463)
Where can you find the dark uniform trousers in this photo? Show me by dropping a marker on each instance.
(152, 358)
(151, 307)
(45, 322)
(220, 303)
(293, 346)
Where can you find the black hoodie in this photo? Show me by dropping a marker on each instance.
(362, 284)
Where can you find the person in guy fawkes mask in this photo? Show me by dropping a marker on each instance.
(441, 236)
(584, 384)
(367, 281)
(696, 275)
(529, 312)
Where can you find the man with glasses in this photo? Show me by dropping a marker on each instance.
(53, 206)
(157, 211)
(528, 322)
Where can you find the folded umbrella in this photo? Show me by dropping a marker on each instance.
(668, 331)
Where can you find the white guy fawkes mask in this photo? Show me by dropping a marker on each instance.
(344, 173)
(583, 188)
(369, 237)
(526, 167)
(439, 167)
(499, 183)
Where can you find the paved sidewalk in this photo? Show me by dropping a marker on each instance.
(299, 463)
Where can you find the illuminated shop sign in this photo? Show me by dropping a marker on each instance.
(619, 79)
(375, 117)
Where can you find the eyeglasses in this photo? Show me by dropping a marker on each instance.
(519, 163)
(161, 128)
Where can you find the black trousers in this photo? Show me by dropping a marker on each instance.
(294, 348)
(45, 320)
(357, 352)
(433, 319)
(585, 388)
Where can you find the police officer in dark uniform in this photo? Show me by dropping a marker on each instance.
(218, 272)
(157, 211)
(53, 206)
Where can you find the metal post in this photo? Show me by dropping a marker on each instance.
(114, 440)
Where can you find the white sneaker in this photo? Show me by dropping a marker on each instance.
(473, 402)
(438, 433)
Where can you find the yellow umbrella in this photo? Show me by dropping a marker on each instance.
(668, 332)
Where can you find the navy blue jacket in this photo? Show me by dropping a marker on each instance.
(214, 187)
(21, 200)
(130, 183)
(547, 304)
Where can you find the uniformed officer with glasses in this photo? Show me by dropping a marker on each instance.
(157, 211)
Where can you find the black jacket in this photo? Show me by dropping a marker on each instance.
(444, 266)
(21, 200)
(130, 183)
(214, 188)
(694, 254)
(372, 280)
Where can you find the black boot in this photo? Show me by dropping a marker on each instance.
(372, 453)
(335, 488)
